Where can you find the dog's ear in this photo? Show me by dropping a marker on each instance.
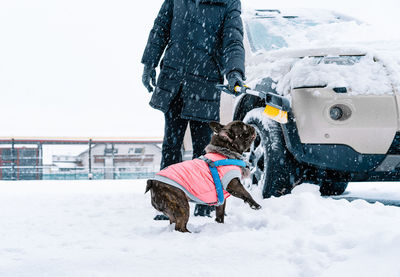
(149, 185)
(216, 126)
(217, 129)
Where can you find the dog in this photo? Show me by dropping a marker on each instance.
(192, 180)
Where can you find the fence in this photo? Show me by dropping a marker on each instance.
(39, 173)
(23, 159)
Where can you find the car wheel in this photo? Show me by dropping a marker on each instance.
(328, 188)
(272, 166)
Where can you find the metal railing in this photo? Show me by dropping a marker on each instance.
(23, 159)
(78, 173)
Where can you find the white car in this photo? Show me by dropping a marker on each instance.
(343, 123)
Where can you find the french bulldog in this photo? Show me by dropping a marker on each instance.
(171, 195)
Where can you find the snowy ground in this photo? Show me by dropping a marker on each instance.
(105, 228)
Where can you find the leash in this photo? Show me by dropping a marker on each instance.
(214, 173)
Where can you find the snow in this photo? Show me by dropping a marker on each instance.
(105, 228)
(360, 77)
(258, 114)
(374, 190)
(287, 41)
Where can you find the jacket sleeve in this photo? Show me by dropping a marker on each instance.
(159, 35)
(232, 39)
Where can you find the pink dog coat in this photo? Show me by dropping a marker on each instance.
(195, 179)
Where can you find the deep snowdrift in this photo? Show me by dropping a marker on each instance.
(105, 228)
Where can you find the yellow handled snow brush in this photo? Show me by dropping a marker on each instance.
(277, 106)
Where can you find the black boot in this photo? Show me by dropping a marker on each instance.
(203, 210)
(161, 217)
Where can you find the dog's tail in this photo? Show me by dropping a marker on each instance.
(149, 185)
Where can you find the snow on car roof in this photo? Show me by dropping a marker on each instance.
(278, 38)
(318, 15)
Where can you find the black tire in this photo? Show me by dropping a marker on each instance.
(328, 188)
(273, 167)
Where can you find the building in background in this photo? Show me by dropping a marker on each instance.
(123, 161)
(20, 163)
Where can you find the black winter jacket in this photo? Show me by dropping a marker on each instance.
(202, 42)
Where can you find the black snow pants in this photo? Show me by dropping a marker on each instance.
(175, 127)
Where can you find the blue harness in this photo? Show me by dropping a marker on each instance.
(214, 173)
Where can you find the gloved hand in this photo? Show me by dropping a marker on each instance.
(234, 78)
(149, 72)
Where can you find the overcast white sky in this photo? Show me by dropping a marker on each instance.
(72, 68)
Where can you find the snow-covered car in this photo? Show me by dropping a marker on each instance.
(343, 124)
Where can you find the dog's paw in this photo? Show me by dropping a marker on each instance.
(255, 206)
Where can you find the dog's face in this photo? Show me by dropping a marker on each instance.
(236, 136)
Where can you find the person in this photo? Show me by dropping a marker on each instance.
(201, 40)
